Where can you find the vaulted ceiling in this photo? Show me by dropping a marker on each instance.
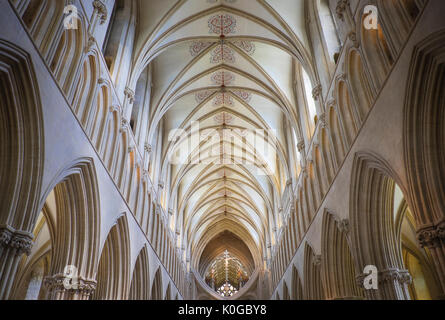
(223, 74)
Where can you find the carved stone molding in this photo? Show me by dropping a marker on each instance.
(300, 145)
(322, 120)
(388, 276)
(148, 148)
(101, 11)
(392, 275)
(72, 285)
(353, 37)
(90, 43)
(317, 91)
(341, 8)
(124, 125)
(343, 225)
(432, 237)
(129, 94)
(21, 242)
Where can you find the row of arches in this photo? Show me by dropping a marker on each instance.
(381, 233)
(325, 154)
(343, 127)
(322, 153)
(77, 207)
(63, 265)
(75, 61)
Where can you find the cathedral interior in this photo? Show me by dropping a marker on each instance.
(222, 150)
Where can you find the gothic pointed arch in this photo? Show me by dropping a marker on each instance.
(140, 282)
(424, 136)
(156, 286)
(297, 288)
(21, 156)
(313, 286)
(374, 239)
(77, 211)
(113, 274)
(338, 267)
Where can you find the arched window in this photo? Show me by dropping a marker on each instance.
(141, 107)
(330, 35)
(114, 33)
(110, 27)
(311, 108)
(297, 154)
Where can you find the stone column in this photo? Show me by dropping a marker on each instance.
(433, 238)
(13, 244)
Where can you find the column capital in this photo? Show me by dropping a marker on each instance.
(322, 120)
(69, 284)
(341, 8)
(101, 10)
(148, 148)
(317, 91)
(20, 241)
(129, 93)
(124, 125)
(343, 225)
(390, 275)
(432, 236)
(300, 145)
(353, 37)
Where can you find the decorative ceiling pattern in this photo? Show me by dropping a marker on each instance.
(222, 24)
(223, 78)
(198, 46)
(245, 45)
(223, 99)
(228, 66)
(222, 54)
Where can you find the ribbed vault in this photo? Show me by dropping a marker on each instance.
(224, 75)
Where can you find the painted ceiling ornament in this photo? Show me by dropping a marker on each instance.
(202, 95)
(222, 24)
(222, 78)
(242, 94)
(223, 98)
(245, 45)
(199, 46)
(222, 54)
(223, 118)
